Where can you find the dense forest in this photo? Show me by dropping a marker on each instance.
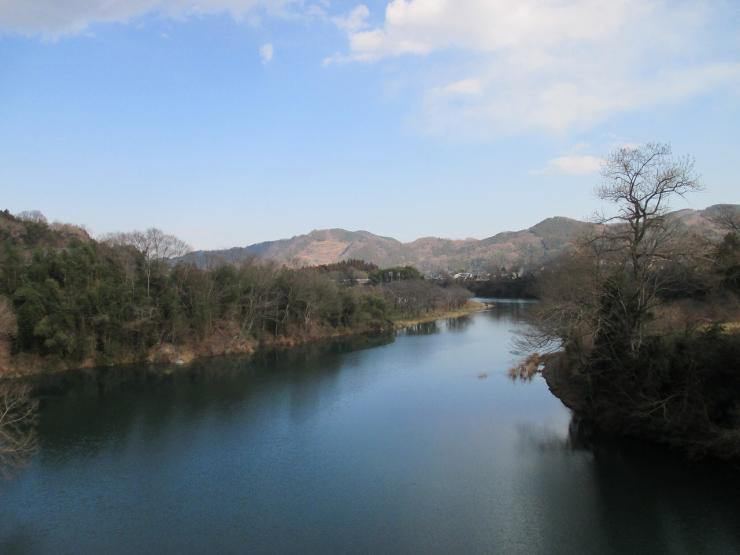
(644, 316)
(69, 299)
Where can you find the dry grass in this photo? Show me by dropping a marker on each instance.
(526, 369)
(730, 327)
(688, 314)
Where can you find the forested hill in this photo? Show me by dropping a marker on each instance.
(527, 247)
(68, 300)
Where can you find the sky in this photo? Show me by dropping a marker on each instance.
(229, 122)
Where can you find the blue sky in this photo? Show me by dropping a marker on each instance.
(229, 122)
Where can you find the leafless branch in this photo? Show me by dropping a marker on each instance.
(18, 413)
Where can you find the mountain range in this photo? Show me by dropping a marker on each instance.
(525, 247)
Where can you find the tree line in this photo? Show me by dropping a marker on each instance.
(68, 296)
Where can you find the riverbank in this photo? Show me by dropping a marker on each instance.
(223, 342)
(690, 421)
(470, 307)
(561, 382)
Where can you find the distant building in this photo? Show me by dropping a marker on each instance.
(356, 281)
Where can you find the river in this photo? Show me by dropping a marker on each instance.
(417, 445)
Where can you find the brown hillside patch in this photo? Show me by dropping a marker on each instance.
(322, 252)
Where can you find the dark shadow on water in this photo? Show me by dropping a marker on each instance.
(581, 437)
(18, 542)
(637, 494)
(663, 501)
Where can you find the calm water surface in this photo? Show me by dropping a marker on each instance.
(421, 445)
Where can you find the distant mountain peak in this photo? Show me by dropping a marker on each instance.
(531, 246)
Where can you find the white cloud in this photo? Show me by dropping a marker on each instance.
(550, 64)
(55, 18)
(266, 52)
(424, 26)
(466, 87)
(573, 164)
(485, 66)
(354, 20)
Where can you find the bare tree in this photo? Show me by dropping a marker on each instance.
(31, 216)
(568, 314)
(640, 182)
(18, 413)
(154, 244)
(605, 289)
(728, 218)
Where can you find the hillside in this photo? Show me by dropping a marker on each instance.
(526, 247)
(34, 232)
(70, 301)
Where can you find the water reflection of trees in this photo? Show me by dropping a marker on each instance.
(18, 415)
(542, 438)
(510, 310)
(422, 328)
(109, 406)
(590, 484)
(458, 324)
(142, 377)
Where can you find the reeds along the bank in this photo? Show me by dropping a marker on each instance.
(527, 368)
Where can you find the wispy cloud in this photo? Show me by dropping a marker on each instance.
(465, 87)
(573, 164)
(53, 19)
(354, 21)
(489, 66)
(551, 65)
(266, 53)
